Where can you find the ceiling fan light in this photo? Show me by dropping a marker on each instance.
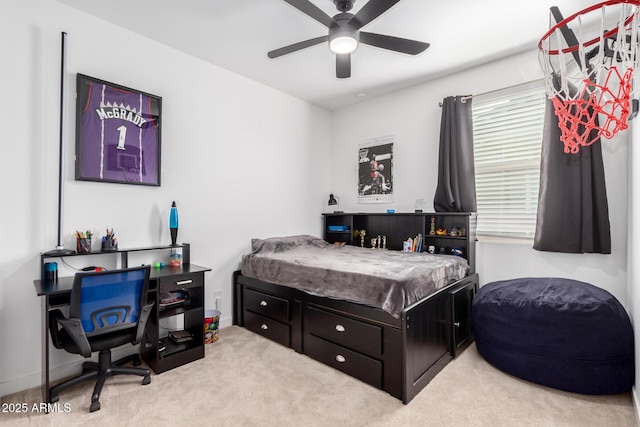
(342, 42)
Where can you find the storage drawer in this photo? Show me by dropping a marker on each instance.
(350, 362)
(266, 305)
(181, 281)
(360, 336)
(266, 327)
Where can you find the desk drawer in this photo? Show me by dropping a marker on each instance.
(266, 305)
(355, 364)
(345, 331)
(181, 281)
(268, 328)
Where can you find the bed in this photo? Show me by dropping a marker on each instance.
(389, 318)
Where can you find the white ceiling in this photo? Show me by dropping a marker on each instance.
(237, 34)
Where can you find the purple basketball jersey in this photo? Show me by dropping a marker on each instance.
(119, 136)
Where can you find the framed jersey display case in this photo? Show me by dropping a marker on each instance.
(117, 133)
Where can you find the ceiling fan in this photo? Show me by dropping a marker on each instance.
(344, 32)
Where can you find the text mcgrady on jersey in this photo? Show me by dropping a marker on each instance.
(120, 112)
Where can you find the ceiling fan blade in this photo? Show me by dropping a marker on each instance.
(297, 46)
(410, 47)
(371, 11)
(308, 8)
(343, 65)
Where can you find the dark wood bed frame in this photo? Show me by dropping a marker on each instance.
(399, 356)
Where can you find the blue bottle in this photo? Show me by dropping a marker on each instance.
(173, 223)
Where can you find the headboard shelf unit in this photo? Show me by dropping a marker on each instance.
(398, 227)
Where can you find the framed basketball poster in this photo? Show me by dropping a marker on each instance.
(117, 133)
(375, 170)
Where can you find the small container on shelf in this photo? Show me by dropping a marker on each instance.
(50, 272)
(83, 241)
(83, 245)
(109, 241)
(175, 260)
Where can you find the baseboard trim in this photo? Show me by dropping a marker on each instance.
(69, 368)
(225, 321)
(636, 404)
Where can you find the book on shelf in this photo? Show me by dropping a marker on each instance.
(180, 336)
(413, 244)
(172, 299)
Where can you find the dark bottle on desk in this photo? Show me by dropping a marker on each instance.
(51, 272)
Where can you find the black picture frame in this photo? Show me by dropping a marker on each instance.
(118, 133)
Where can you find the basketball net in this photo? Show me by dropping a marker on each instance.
(588, 78)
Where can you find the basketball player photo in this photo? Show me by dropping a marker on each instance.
(375, 170)
(117, 133)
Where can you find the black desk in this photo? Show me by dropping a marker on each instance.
(188, 277)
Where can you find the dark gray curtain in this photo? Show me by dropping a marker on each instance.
(456, 190)
(573, 214)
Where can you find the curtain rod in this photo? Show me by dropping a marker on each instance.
(464, 98)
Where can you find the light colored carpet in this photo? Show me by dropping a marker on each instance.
(246, 380)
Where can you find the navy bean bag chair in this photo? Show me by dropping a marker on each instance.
(560, 333)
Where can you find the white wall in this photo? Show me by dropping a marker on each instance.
(634, 249)
(413, 116)
(240, 159)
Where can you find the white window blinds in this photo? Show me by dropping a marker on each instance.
(507, 134)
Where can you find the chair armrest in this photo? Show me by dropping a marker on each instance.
(54, 329)
(74, 329)
(142, 321)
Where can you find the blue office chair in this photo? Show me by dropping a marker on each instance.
(107, 309)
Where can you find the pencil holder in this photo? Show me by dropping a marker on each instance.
(109, 244)
(83, 245)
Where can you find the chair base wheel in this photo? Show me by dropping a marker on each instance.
(94, 406)
(146, 380)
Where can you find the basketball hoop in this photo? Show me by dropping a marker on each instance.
(589, 76)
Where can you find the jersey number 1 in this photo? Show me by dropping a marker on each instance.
(122, 130)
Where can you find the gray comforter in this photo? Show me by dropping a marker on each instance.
(390, 280)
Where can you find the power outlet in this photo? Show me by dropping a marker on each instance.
(217, 299)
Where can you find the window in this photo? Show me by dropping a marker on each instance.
(507, 134)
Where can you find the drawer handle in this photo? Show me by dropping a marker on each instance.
(263, 326)
(263, 303)
(184, 282)
(457, 324)
(340, 328)
(340, 358)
